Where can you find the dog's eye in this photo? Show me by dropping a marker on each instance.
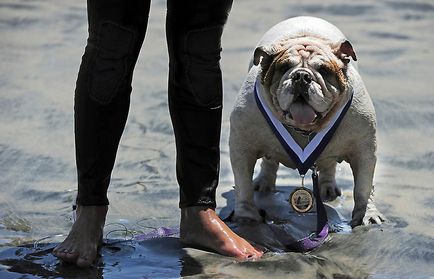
(283, 68)
(325, 71)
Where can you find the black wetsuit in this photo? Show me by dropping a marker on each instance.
(102, 97)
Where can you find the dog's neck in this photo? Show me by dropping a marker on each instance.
(300, 136)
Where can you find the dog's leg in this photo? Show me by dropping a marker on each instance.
(266, 179)
(327, 182)
(365, 211)
(243, 162)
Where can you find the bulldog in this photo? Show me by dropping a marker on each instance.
(302, 68)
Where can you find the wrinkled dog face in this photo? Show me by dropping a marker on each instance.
(306, 78)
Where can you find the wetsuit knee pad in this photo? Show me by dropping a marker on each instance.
(203, 68)
(111, 66)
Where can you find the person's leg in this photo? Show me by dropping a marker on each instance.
(102, 97)
(194, 29)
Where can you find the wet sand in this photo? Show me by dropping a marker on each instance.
(40, 51)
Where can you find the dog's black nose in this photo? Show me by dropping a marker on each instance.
(302, 77)
(301, 80)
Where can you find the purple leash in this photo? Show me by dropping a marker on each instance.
(315, 240)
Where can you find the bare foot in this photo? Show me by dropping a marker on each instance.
(81, 245)
(200, 226)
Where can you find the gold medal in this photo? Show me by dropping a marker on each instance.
(301, 200)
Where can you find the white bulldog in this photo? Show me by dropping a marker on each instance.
(304, 74)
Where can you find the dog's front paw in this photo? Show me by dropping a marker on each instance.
(329, 191)
(370, 216)
(247, 213)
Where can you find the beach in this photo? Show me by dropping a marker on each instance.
(41, 45)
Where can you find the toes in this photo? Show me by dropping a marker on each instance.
(70, 255)
(376, 220)
(67, 253)
(242, 251)
(246, 256)
(250, 253)
(60, 251)
(67, 256)
(250, 256)
(366, 221)
(373, 219)
(258, 254)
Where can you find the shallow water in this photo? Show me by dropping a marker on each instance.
(40, 50)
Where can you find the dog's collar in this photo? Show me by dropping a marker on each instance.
(303, 158)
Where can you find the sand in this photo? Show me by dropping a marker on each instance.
(40, 51)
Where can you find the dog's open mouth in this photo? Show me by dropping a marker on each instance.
(301, 112)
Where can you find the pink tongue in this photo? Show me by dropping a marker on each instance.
(302, 113)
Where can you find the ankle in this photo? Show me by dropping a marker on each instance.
(195, 211)
(95, 211)
(194, 220)
(196, 216)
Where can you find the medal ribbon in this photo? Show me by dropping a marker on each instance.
(322, 229)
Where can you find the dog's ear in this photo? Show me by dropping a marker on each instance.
(344, 51)
(265, 58)
(262, 52)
